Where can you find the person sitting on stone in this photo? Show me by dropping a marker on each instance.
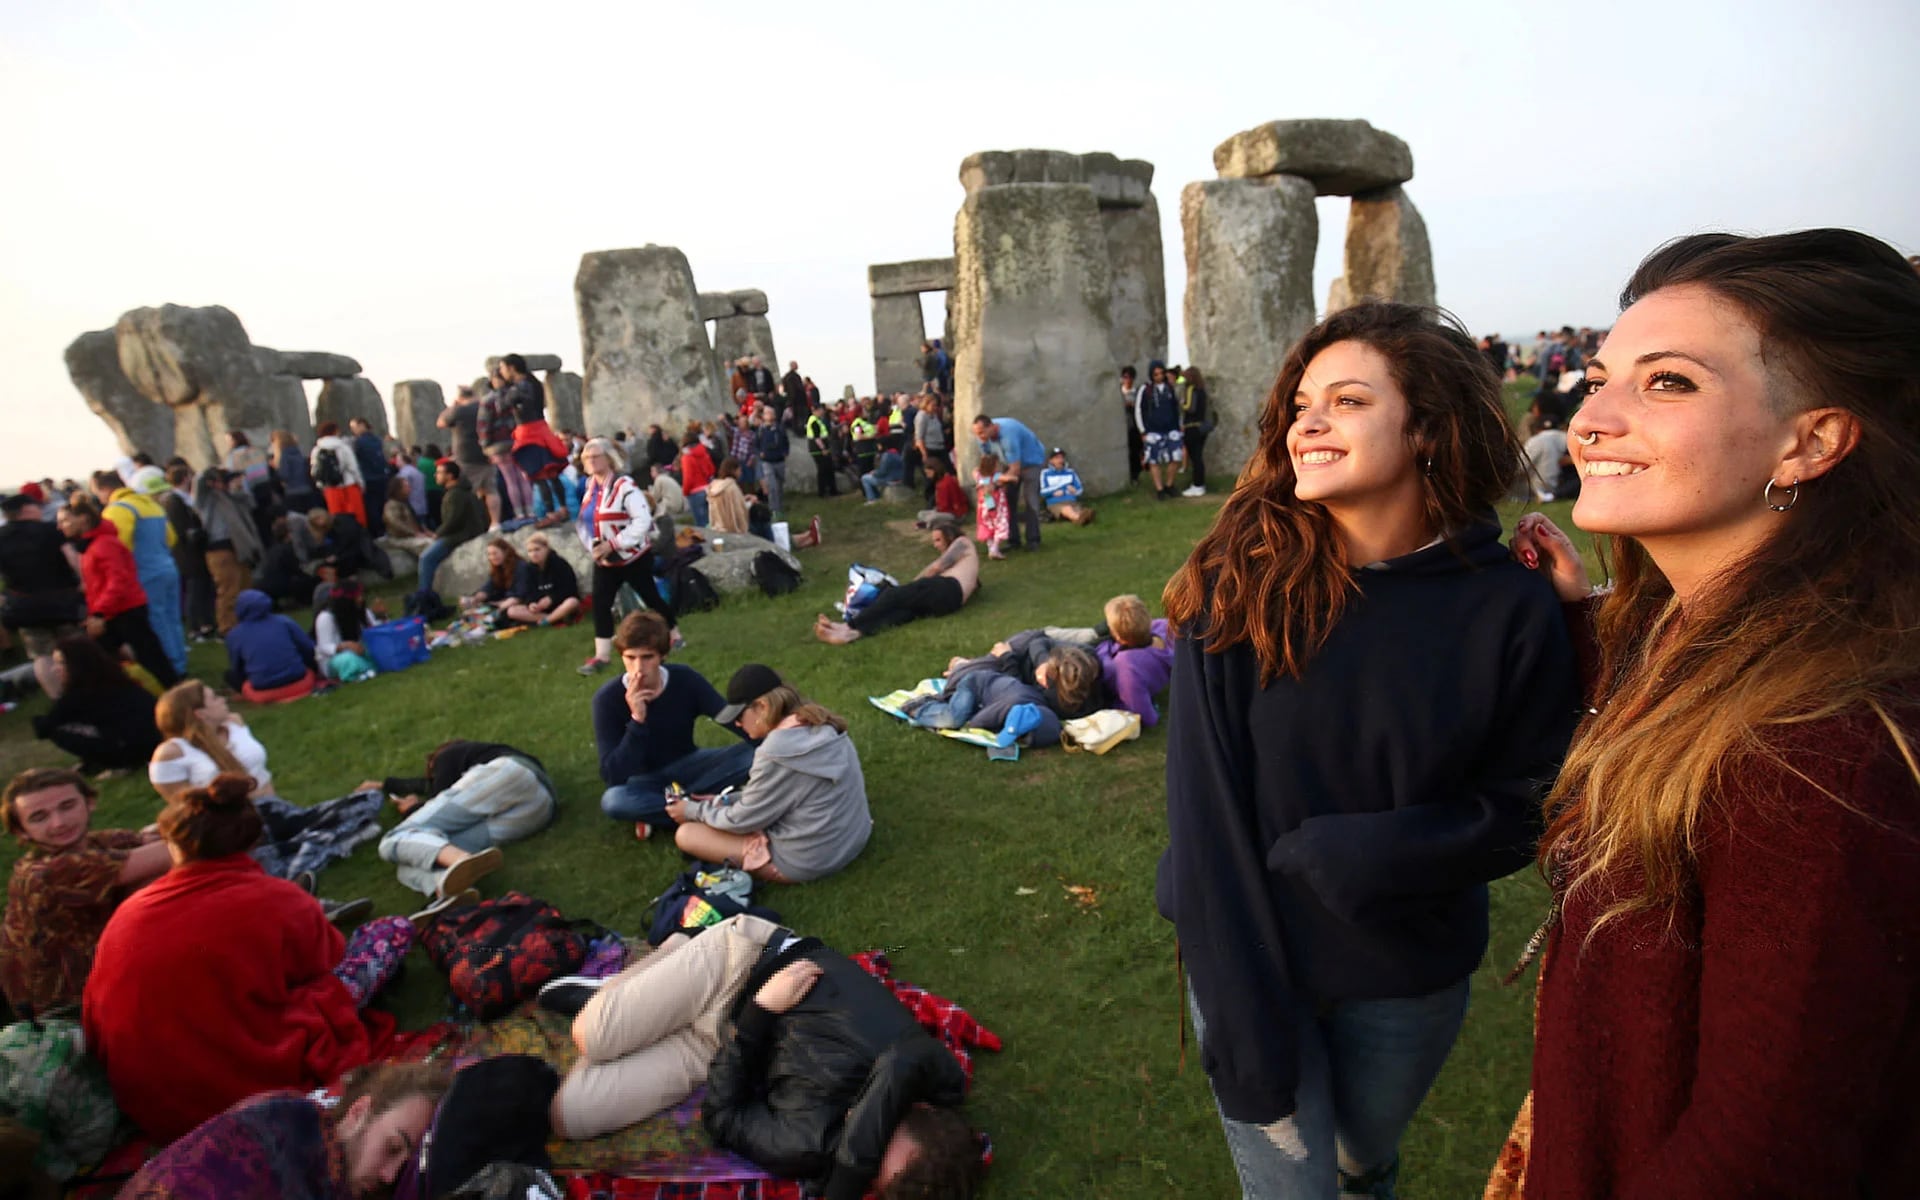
(948, 496)
(889, 470)
(503, 565)
(1061, 490)
(802, 814)
(292, 1146)
(270, 659)
(65, 886)
(726, 503)
(98, 713)
(664, 492)
(1061, 681)
(875, 1109)
(941, 588)
(462, 518)
(254, 988)
(474, 798)
(403, 524)
(643, 725)
(545, 589)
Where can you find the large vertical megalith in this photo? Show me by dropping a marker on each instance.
(417, 405)
(341, 400)
(1249, 247)
(563, 401)
(93, 363)
(1031, 310)
(645, 347)
(1387, 255)
(200, 363)
(899, 327)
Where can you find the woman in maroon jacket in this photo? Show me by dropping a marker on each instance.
(116, 603)
(1732, 980)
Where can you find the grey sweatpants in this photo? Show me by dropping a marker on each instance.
(494, 803)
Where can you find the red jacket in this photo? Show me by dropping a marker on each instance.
(696, 469)
(950, 497)
(1765, 1044)
(108, 574)
(215, 983)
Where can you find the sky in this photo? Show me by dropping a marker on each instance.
(414, 184)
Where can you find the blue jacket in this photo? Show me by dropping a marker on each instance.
(265, 648)
(1060, 485)
(891, 468)
(1158, 410)
(1018, 444)
(369, 451)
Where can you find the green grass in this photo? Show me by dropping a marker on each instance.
(1089, 1097)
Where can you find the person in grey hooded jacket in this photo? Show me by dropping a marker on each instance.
(802, 814)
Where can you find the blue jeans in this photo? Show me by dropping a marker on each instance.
(871, 485)
(951, 709)
(1365, 1066)
(431, 558)
(164, 616)
(704, 772)
(697, 505)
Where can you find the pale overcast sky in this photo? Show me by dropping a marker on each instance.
(413, 185)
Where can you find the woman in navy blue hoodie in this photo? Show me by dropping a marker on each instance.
(1369, 698)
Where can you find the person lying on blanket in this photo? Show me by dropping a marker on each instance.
(803, 812)
(1059, 680)
(1135, 653)
(813, 1070)
(286, 1145)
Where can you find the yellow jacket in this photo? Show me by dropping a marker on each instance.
(120, 502)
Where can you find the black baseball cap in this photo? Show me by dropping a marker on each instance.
(748, 684)
(1057, 451)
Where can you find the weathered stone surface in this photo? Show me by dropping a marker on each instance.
(910, 278)
(307, 364)
(563, 401)
(404, 564)
(898, 329)
(417, 404)
(200, 363)
(1031, 308)
(750, 302)
(1249, 247)
(731, 570)
(341, 400)
(714, 305)
(465, 570)
(93, 363)
(992, 168)
(1388, 257)
(900, 493)
(1138, 268)
(645, 346)
(1337, 296)
(1117, 182)
(536, 363)
(287, 396)
(743, 336)
(1340, 157)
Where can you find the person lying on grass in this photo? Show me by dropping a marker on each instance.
(643, 726)
(474, 798)
(65, 886)
(813, 1070)
(287, 1145)
(802, 814)
(982, 692)
(942, 588)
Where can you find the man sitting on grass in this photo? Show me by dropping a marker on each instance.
(1061, 490)
(946, 584)
(643, 725)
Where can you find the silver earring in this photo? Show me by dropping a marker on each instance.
(1586, 439)
(1793, 496)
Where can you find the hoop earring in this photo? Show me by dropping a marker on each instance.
(1793, 496)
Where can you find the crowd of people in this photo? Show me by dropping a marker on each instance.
(1710, 761)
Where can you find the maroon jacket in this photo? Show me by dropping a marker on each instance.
(108, 574)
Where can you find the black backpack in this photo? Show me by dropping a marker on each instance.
(773, 574)
(692, 591)
(426, 604)
(326, 469)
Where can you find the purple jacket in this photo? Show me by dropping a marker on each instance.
(1136, 676)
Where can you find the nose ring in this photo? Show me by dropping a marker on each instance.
(1586, 439)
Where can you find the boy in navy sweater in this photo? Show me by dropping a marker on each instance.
(643, 726)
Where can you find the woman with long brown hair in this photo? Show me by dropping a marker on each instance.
(1369, 697)
(1733, 955)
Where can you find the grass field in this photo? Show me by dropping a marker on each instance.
(965, 879)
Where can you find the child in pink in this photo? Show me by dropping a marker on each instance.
(990, 506)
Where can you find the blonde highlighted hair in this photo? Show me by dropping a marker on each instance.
(786, 701)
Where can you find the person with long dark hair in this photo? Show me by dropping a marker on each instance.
(616, 526)
(1730, 1001)
(1371, 697)
(1196, 423)
(99, 714)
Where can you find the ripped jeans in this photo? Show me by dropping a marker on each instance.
(1365, 1066)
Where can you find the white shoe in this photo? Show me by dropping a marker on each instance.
(1193, 491)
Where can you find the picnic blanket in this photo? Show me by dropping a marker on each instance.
(1001, 745)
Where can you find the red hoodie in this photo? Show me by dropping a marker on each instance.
(948, 496)
(108, 574)
(696, 469)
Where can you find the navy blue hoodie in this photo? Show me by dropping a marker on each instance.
(265, 648)
(1331, 837)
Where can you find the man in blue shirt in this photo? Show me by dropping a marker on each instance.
(1022, 455)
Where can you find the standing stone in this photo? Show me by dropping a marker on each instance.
(743, 336)
(417, 404)
(1388, 257)
(200, 364)
(1031, 308)
(1341, 158)
(343, 399)
(1250, 246)
(563, 401)
(898, 329)
(1138, 267)
(645, 347)
(1337, 296)
(287, 397)
(750, 302)
(93, 363)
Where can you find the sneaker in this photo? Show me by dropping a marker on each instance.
(1161, 493)
(347, 912)
(679, 641)
(1195, 490)
(462, 875)
(642, 831)
(569, 994)
(593, 666)
(445, 904)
